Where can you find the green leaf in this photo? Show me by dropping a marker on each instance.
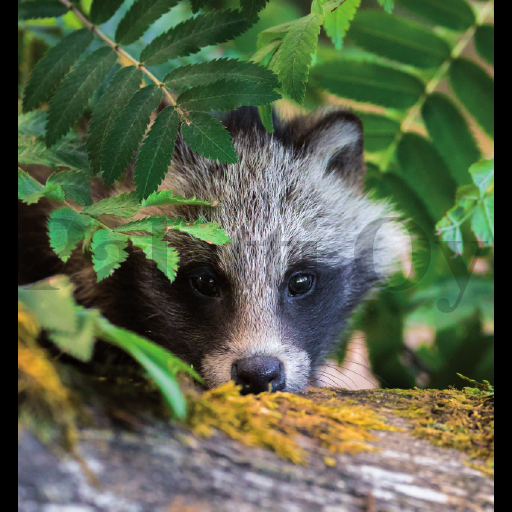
(156, 153)
(369, 82)
(40, 9)
(103, 10)
(165, 197)
(484, 42)
(475, 89)
(51, 69)
(296, 50)
(120, 89)
(482, 222)
(398, 39)
(154, 225)
(209, 137)
(109, 251)
(198, 4)
(270, 48)
(75, 184)
(482, 174)
(336, 23)
(165, 257)
(73, 94)
(127, 132)
(251, 7)
(51, 302)
(123, 205)
(379, 131)
(426, 173)
(265, 112)
(454, 14)
(451, 136)
(267, 36)
(32, 123)
(231, 69)
(207, 231)
(66, 228)
(225, 95)
(191, 35)
(387, 5)
(30, 190)
(139, 17)
(80, 343)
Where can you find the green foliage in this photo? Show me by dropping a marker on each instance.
(40, 9)
(484, 42)
(30, 191)
(109, 251)
(124, 205)
(74, 330)
(102, 11)
(337, 22)
(164, 197)
(207, 231)
(165, 257)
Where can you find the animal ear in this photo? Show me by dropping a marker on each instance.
(337, 140)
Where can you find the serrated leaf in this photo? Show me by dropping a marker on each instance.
(165, 197)
(379, 131)
(75, 184)
(127, 132)
(482, 174)
(217, 69)
(475, 90)
(482, 222)
(270, 48)
(336, 23)
(165, 257)
(198, 4)
(296, 54)
(484, 42)
(156, 153)
(51, 69)
(207, 231)
(41, 9)
(154, 225)
(426, 173)
(121, 88)
(103, 10)
(123, 205)
(369, 82)
(451, 136)
(208, 137)
(454, 14)
(66, 228)
(30, 190)
(267, 36)
(265, 112)
(32, 123)
(225, 95)
(251, 7)
(139, 17)
(80, 343)
(73, 94)
(109, 251)
(398, 39)
(191, 35)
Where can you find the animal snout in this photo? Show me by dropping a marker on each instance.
(255, 374)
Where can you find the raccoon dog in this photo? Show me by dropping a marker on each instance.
(265, 309)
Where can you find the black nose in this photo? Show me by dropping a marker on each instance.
(255, 374)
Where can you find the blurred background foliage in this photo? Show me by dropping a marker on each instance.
(421, 79)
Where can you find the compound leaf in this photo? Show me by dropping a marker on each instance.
(154, 225)
(398, 39)
(139, 17)
(225, 95)
(66, 228)
(451, 136)
(482, 173)
(73, 94)
(124, 205)
(336, 23)
(209, 137)
(109, 251)
(207, 231)
(156, 153)
(484, 42)
(51, 69)
(217, 69)
(75, 184)
(127, 132)
(251, 7)
(193, 34)
(40, 9)
(475, 89)
(165, 257)
(298, 45)
(103, 10)
(121, 88)
(165, 197)
(30, 190)
(379, 131)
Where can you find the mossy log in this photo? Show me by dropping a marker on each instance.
(156, 466)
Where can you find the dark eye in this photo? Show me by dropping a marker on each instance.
(205, 285)
(300, 284)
